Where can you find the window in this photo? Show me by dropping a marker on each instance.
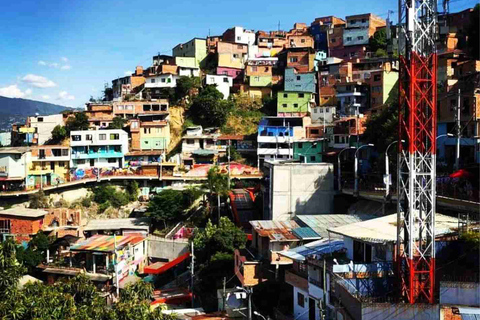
(238, 39)
(314, 131)
(102, 136)
(327, 110)
(64, 152)
(155, 107)
(336, 139)
(381, 252)
(284, 105)
(352, 54)
(254, 69)
(129, 107)
(364, 20)
(377, 77)
(134, 124)
(112, 160)
(353, 21)
(114, 136)
(348, 88)
(312, 158)
(120, 107)
(81, 161)
(302, 40)
(300, 300)
(293, 59)
(235, 56)
(360, 38)
(349, 38)
(40, 119)
(89, 137)
(146, 107)
(163, 80)
(300, 145)
(239, 47)
(61, 164)
(295, 105)
(301, 95)
(266, 69)
(225, 79)
(4, 226)
(315, 110)
(77, 138)
(362, 252)
(333, 40)
(169, 80)
(285, 95)
(225, 73)
(298, 78)
(190, 141)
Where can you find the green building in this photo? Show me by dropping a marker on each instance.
(260, 81)
(308, 150)
(196, 48)
(293, 104)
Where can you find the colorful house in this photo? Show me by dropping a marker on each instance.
(197, 48)
(308, 150)
(14, 162)
(300, 82)
(49, 166)
(294, 104)
(232, 55)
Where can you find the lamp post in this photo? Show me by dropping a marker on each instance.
(355, 190)
(450, 135)
(387, 169)
(306, 152)
(339, 170)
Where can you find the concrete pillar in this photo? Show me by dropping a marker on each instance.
(94, 265)
(106, 263)
(70, 259)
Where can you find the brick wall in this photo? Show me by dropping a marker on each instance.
(23, 227)
(63, 216)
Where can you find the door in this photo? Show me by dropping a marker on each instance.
(312, 308)
(52, 165)
(92, 162)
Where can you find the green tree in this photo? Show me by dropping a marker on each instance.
(59, 133)
(117, 123)
(378, 43)
(77, 122)
(35, 252)
(209, 108)
(217, 183)
(38, 200)
(168, 206)
(185, 86)
(132, 190)
(108, 195)
(216, 241)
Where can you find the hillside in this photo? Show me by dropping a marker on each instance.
(16, 110)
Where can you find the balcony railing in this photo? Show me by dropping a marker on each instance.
(271, 131)
(365, 270)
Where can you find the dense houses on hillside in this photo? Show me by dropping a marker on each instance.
(326, 80)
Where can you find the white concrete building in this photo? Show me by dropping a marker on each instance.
(14, 163)
(222, 82)
(98, 148)
(244, 36)
(321, 113)
(44, 126)
(188, 71)
(166, 80)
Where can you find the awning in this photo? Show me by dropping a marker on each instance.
(161, 267)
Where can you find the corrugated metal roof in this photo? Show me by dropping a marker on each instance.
(322, 246)
(102, 243)
(275, 230)
(321, 222)
(305, 233)
(118, 224)
(384, 229)
(24, 212)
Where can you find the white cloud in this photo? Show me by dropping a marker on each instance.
(38, 81)
(63, 95)
(64, 59)
(42, 63)
(53, 65)
(14, 92)
(66, 67)
(128, 73)
(45, 97)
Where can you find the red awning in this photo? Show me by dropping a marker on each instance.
(161, 267)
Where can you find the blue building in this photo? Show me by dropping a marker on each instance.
(300, 82)
(446, 146)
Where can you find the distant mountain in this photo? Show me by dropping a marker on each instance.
(14, 110)
(25, 107)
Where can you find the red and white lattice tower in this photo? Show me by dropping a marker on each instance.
(416, 157)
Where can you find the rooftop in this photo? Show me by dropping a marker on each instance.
(102, 243)
(322, 246)
(116, 224)
(321, 222)
(384, 229)
(20, 150)
(275, 230)
(24, 212)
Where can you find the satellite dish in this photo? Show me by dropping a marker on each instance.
(233, 302)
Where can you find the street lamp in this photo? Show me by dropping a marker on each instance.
(445, 135)
(387, 169)
(339, 170)
(259, 315)
(355, 190)
(306, 152)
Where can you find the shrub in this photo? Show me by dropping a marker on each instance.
(39, 200)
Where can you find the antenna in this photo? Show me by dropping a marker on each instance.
(278, 25)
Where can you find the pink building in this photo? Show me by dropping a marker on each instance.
(236, 74)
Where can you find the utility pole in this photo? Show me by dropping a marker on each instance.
(459, 133)
(324, 306)
(115, 263)
(228, 152)
(224, 291)
(249, 293)
(192, 273)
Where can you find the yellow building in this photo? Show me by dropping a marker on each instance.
(49, 165)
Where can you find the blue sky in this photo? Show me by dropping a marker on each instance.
(63, 51)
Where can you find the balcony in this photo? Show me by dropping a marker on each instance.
(39, 171)
(274, 151)
(364, 270)
(96, 155)
(272, 131)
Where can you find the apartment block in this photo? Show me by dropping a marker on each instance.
(302, 59)
(382, 82)
(14, 163)
(294, 104)
(128, 85)
(232, 55)
(300, 82)
(100, 114)
(271, 43)
(49, 165)
(352, 96)
(239, 35)
(322, 29)
(131, 109)
(197, 48)
(299, 37)
(98, 148)
(43, 126)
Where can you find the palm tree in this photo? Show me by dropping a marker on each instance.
(217, 183)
